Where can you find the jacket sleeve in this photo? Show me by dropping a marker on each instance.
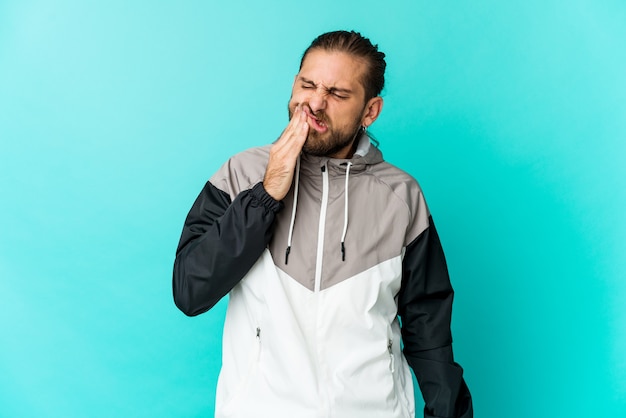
(425, 309)
(220, 242)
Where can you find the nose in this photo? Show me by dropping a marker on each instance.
(317, 100)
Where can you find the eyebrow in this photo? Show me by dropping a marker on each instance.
(332, 89)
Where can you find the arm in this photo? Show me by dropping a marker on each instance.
(425, 309)
(220, 242)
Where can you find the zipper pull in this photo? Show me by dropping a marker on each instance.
(392, 364)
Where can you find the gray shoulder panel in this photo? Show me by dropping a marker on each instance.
(242, 171)
(386, 211)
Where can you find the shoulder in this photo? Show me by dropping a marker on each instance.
(402, 184)
(405, 189)
(250, 157)
(242, 171)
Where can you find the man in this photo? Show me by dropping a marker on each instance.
(321, 246)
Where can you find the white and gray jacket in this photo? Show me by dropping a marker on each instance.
(323, 287)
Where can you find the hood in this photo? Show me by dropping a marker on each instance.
(365, 155)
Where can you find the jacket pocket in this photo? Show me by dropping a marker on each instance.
(238, 395)
(392, 358)
(395, 371)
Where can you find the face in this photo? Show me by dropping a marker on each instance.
(329, 89)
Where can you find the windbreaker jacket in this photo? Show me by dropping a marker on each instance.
(318, 286)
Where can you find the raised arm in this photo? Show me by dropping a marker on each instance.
(220, 242)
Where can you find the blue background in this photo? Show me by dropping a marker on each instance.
(113, 115)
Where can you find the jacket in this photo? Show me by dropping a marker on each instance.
(333, 292)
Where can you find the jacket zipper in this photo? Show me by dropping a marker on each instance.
(320, 235)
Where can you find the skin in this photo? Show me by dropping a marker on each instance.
(327, 108)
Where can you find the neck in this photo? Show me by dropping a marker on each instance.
(345, 153)
(348, 151)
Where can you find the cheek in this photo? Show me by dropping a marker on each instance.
(345, 118)
(296, 98)
(293, 102)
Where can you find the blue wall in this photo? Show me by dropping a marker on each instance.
(113, 115)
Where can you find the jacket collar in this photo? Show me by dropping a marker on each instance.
(365, 155)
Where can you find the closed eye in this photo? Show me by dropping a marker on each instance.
(337, 94)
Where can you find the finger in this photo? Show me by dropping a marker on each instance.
(287, 132)
(295, 124)
(295, 140)
(300, 126)
(295, 131)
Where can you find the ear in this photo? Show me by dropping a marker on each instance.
(372, 109)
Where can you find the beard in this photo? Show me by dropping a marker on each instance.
(332, 141)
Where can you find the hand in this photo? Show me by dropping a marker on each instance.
(283, 155)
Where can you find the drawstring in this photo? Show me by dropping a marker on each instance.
(293, 210)
(295, 203)
(345, 216)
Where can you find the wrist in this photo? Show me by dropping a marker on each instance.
(260, 194)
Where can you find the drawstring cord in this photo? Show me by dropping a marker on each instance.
(345, 216)
(295, 203)
(293, 210)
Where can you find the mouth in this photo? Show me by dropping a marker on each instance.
(317, 124)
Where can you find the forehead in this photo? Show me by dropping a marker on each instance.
(333, 69)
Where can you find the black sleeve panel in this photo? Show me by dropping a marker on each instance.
(219, 244)
(425, 309)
